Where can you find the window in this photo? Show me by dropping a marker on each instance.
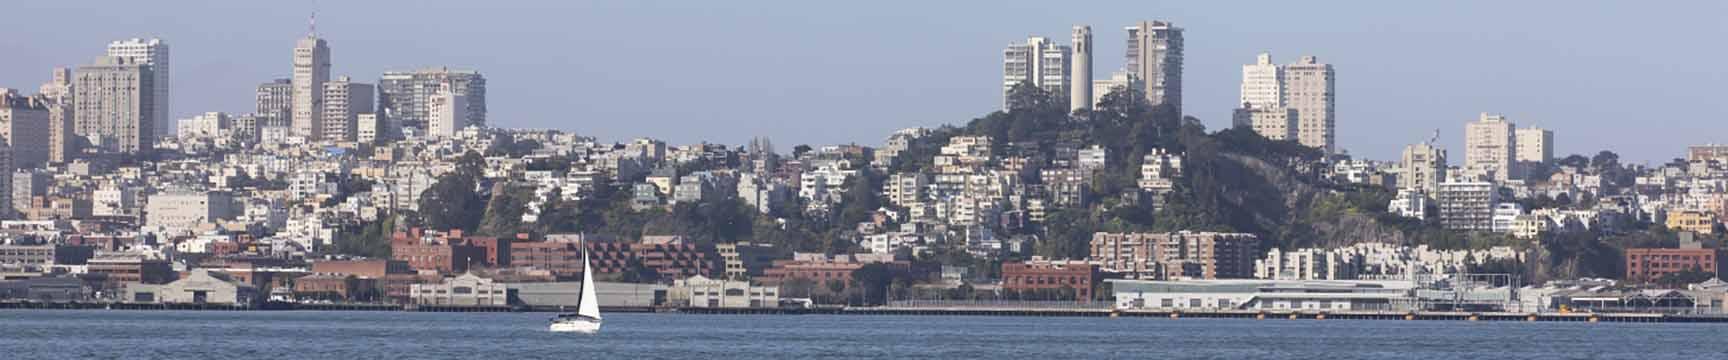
(1194, 303)
(1167, 303)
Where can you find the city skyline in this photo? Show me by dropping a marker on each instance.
(1531, 75)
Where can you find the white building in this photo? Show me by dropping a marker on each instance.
(1535, 146)
(1424, 168)
(447, 112)
(715, 293)
(1467, 206)
(1409, 203)
(344, 101)
(1505, 216)
(1489, 146)
(209, 125)
(152, 52)
(1038, 61)
(1273, 123)
(311, 71)
(1080, 72)
(1307, 87)
(466, 289)
(180, 212)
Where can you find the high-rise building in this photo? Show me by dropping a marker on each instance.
(1535, 146)
(366, 128)
(152, 52)
(447, 115)
(403, 96)
(311, 70)
(1080, 89)
(1038, 61)
(1467, 206)
(1308, 88)
(1274, 123)
(113, 105)
(1262, 83)
(1155, 59)
(25, 125)
(1120, 80)
(1424, 168)
(275, 103)
(56, 94)
(344, 101)
(1488, 147)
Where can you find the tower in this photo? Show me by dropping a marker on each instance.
(1080, 87)
(311, 70)
(1488, 147)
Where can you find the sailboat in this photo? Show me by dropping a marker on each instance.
(586, 320)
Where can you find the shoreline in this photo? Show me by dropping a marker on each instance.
(928, 311)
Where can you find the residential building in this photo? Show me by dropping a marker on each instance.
(404, 96)
(311, 71)
(344, 101)
(1310, 88)
(114, 102)
(446, 112)
(1489, 145)
(1155, 59)
(1273, 123)
(1409, 203)
(1424, 168)
(1304, 264)
(366, 128)
(1702, 222)
(25, 125)
(1535, 146)
(1467, 206)
(1191, 255)
(275, 103)
(1039, 62)
(153, 53)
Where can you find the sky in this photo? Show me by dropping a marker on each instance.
(1637, 78)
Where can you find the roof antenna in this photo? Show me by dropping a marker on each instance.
(312, 24)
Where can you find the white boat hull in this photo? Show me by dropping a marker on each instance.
(581, 326)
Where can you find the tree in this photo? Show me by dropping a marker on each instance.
(1605, 160)
(875, 279)
(800, 150)
(503, 216)
(453, 202)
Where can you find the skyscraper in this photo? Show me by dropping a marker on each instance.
(1305, 86)
(1080, 89)
(275, 103)
(403, 97)
(1488, 147)
(152, 52)
(1155, 58)
(344, 101)
(113, 105)
(1038, 61)
(311, 70)
(1308, 88)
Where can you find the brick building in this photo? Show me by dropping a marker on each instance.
(671, 258)
(1193, 255)
(822, 268)
(1080, 276)
(1646, 264)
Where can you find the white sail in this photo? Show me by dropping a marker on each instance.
(589, 304)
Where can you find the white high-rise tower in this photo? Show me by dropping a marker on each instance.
(1080, 90)
(311, 70)
(152, 52)
(1489, 144)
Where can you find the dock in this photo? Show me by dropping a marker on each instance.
(1097, 312)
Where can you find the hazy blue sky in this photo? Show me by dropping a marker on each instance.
(1639, 78)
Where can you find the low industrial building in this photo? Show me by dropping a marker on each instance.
(200, 286)
(466, 289)
(566, 293)
(699, 291)
(1314, 295)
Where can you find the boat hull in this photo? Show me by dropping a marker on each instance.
(580, 326)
